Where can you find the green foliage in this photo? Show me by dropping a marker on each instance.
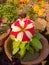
(22, 52)
(22, 49)
(10, 12)
(31, 13)
(30, 49)
(38, 36)
(12, 37)
(15, 47)
(15, 1)
(36, 44)
(1, 10)
(23, 44)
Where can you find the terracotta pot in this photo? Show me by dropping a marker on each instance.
(4, 36)
(42, 56)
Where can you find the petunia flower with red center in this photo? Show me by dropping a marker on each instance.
(23, 30)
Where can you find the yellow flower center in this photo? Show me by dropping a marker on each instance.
(23, 29)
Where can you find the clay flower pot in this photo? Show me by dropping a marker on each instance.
(4, 36)
(43, 53)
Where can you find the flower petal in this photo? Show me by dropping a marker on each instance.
(14, 33)
(16, 29)
(29, 26)
(12, 26)
(27, 22)
(21, 22)
(31, 30)
(19, 36)
(16, 23)
(25, 38)
(29, 35)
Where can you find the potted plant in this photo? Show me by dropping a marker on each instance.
(35, 10)
(10, 13)
(4, 30)
(26, 43)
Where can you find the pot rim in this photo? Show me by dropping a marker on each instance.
(43, 53)
(4, 36)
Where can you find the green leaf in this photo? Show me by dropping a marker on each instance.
(27, 46)
(22, 49)
(36, 44)
(12, 37)
(15, 51)
(15, 1)
(30, 13)
(15, 47)
(10, 12)
(23, 44)
(30, 49)
(38, 36)
(1, 10)
(22, 52)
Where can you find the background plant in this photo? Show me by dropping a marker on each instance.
(30, 13)
(10, 12)
(1, 11)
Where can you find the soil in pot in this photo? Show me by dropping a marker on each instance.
(28, 57)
